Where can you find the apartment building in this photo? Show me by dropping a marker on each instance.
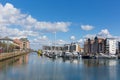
(73, 47)
(22, 44)
(111, 46)
(100, 45)
(94, 46)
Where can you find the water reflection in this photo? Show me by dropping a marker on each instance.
(16, 61)
(34, 67)
(99, 62)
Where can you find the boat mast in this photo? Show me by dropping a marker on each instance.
(55, 41)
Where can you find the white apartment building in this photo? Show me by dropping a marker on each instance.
(73, 47)
(111, 46)
(67, 47)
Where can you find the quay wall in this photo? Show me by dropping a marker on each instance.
(5, 56)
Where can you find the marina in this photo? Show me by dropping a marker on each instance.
(76, 55)
(34, 67)
(59, 40)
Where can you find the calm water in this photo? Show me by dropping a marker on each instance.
(34, 67)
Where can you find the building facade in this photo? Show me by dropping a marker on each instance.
(73, 47)
(94, 46)
(100, 45)
(111, 46)
(6, 45)
(52, 48)
(118, 47)
(23, 43)
(66, 48)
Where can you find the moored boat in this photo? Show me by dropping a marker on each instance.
(39, 52)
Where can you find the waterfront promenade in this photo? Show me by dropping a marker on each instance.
(4, 56)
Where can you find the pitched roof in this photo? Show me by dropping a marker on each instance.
(6, 38)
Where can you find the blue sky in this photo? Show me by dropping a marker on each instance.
(79, 19)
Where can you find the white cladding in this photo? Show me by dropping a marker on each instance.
(112, 46)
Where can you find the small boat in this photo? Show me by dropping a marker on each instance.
(104, 56)
(76, 54)
(39, 52)
(86, 57)
(67, 55)
(52, 55)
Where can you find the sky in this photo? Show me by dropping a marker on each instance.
(45, 22)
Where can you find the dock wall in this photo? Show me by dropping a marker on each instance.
(4, 56)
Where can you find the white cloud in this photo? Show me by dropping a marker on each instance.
(44, 40)
(41, 40)
(38, 42)
(104, 33)
(9, 15)
(16, 33)
(81, 41)
(61, 42)
(15, 24)
(86, 27)
(53, 27)
(72, 37)
(90, 36)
